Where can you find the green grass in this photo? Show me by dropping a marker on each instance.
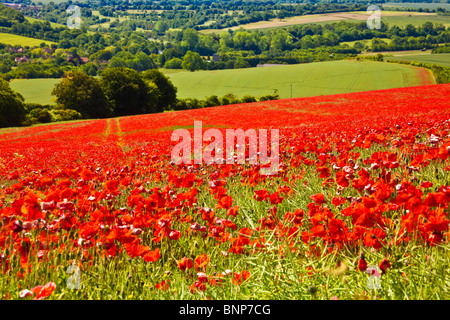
(311, 79)
(13, 40)
(52, 24)
(307, 80)
(366, 42)
(35, 90)
(397, 53)
(46, 2)
(402, 21)
(399, 18)
(431, 6)
(442, 59)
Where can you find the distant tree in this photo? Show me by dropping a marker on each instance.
(142, 62)
(174, 63)
(192, 61)
(190, 39)
(83, 93)
(102, 55)
(161, 27)
(241, 63)
(127, 92)
(167, 91)
(12, 107)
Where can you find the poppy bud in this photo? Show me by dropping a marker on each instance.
(312, 290)
(362, 264)
(16, 227)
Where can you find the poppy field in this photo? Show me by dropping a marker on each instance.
(359, 208)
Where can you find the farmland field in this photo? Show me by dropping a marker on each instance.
(52, 24)
(432, 6)
(416, 20)
(442, 59)
(357, 207)
(401, 18)
(35, 90)
(14, 40)
(306, 79)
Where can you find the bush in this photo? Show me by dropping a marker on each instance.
(248, 99)
(269, 97)
(65, 115)
(212, 101)
(229, 98)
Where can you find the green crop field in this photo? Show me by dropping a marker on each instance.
(52, 24)
(400, 18)
(416, 20)
(312, 79)
(14, 40)
(307, 80)
(413, 5)
(35, 90)
(442, 59)
(366, 42)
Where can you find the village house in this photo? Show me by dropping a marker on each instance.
(19, 50)
(21, 59)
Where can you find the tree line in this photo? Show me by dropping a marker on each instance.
(118, 92)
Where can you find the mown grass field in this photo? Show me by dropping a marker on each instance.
(307, 80)
(13, 40)
(442, 59)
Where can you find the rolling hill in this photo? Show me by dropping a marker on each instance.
(306, 80)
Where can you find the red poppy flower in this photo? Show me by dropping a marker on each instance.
(185, 263)
(384, 265)
(373, 237)
(318, 231)
(152, 256)
(197, 285)
(261, 195)
(164, 285)
(174, 235)
(275, 198)
(318, 198)
(325, 172)
(341, 179)
(44, 291)
(239, 277)
(201, 262)
(136, 250)
(233, 211)
(225, 202)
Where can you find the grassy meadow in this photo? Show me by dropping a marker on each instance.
(14, 40)
(35, 90)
